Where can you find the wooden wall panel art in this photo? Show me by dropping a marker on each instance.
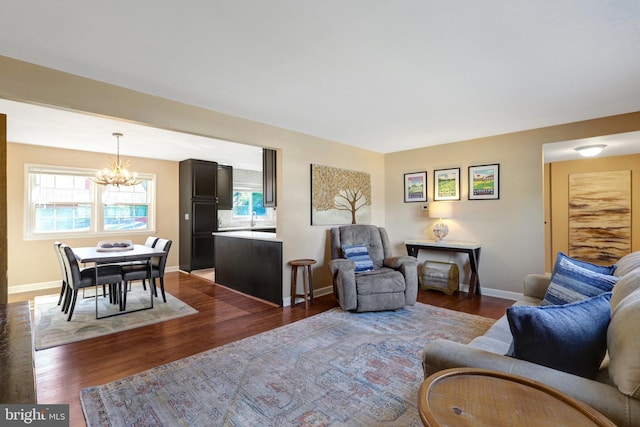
(600, 216)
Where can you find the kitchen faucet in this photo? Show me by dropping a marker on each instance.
(253, 219)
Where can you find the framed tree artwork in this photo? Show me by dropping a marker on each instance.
(484, 182)
(339, 196)
(446, 184)
(415, 187)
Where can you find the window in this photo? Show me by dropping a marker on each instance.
(64, 201)
(245, 202)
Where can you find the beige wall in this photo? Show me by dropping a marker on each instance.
(559, 196)
(511, 229)
(26, 82)
(32, 261)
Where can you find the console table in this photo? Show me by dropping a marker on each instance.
(470, 248)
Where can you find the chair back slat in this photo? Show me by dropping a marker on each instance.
(71, 264)
(159, 262)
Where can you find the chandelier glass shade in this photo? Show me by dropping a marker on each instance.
(116, 172)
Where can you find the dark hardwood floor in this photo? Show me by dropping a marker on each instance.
(223, 316)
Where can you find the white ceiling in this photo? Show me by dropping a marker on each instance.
(382, 75)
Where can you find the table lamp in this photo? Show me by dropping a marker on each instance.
(440, 210)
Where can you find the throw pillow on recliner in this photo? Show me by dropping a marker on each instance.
(360, 257)
(570, 338)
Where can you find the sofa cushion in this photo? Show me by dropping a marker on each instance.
(360, 257)
(571, 337)
(602, 269)
(627, 263)
(625, 286)
(571, 282)
(623, 343)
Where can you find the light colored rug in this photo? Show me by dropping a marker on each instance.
(51, 328)
(336, 368)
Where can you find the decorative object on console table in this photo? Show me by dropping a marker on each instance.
(484, 182)
(440, 210)
(446, 184)
(470, 248)
(415, 187)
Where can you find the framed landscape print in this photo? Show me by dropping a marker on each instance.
(484, 182)
(446, 184)
(415, 187)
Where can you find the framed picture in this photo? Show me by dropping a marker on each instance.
(446, 184)
(339, 196)
(484, 182)
(415, 187)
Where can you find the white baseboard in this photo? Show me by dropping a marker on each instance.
(498, 293)
(31, 287)
(286, 302)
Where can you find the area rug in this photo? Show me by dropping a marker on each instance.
(335, 368)
(51, 328)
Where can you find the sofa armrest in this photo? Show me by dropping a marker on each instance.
(535, 285)
(606, 399)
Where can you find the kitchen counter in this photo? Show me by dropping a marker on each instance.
(250, 262)
(247, 234)
(266, 228)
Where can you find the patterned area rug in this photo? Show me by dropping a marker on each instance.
(336, 368)
(51, 328)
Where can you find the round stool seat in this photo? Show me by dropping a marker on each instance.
(306, 264)
(304, 261)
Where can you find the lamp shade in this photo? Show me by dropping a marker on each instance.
(440, 210)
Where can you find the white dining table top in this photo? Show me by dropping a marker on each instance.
(139, 252)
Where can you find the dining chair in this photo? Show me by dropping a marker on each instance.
(63, 270)
(151, 272)
(86, 277)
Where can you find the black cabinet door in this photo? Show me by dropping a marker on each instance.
(204, 179)
(202, 251)
(204, 218)
(269, 178)
(225, 187)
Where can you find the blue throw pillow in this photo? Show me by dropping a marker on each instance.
(570, 283)
(602, 269)
(570, 338)
(359, 255)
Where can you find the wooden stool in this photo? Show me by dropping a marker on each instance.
(306, 278)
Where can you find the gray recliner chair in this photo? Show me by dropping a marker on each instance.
(392, 282)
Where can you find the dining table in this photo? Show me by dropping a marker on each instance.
(132, 253)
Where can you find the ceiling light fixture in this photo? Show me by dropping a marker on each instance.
(116, 173)
(590, 150)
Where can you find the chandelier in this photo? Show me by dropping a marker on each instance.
(116, 173)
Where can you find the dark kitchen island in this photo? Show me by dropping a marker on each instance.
(250, 262)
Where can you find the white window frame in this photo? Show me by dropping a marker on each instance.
(250, 189)
(97, 207)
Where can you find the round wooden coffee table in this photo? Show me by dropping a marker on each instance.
(480, 397)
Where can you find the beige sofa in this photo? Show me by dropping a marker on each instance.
(614, 392)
